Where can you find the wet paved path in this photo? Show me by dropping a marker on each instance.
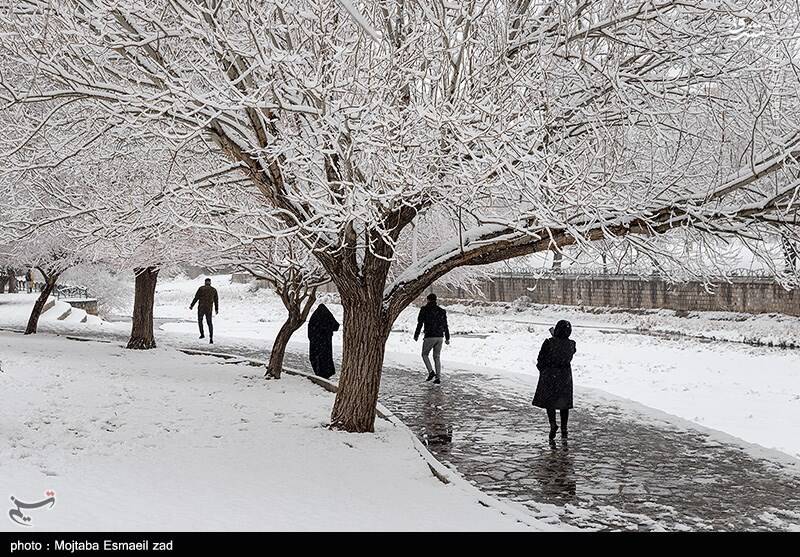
(618, 470)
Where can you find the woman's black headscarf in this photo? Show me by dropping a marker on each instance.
(562, 329)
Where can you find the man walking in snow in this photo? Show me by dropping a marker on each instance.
(206, 298)
(434, 319)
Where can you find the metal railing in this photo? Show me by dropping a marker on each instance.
(71, 292)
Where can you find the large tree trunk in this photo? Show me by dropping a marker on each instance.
(275, 366)
(365, 329)
(33, 320)
(3, 281)
(142, 337)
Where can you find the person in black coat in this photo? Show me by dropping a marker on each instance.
(321, 326)
(554, 390)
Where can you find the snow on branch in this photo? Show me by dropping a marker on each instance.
(360, 19)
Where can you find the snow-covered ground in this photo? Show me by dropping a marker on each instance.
(749, 392)
(746, 391)
(159, 440)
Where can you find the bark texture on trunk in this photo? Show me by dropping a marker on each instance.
(298, 306)
(365, 329)
(33, 320)
(275, 366)
(142, 337)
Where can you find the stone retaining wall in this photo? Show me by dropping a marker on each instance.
(89, 305)
(745, 295)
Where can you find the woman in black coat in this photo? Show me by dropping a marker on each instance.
(554, 390)
(321, 326)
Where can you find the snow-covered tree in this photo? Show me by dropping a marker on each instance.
(540, 124)
(97, 205)
(49, 223)
(247, 235)
(49, 253)
(293, 275)
(145, 236)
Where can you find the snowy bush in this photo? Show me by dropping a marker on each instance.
(521, 303)
(114, 291)
(329, 298)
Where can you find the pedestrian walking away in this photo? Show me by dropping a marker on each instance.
(321, 326)
(554, 389)
(434, 320)
(206, 299)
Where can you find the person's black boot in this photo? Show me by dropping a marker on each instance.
(430, 376)
(202, 336)
(437, 380)
(211, 341)
(553, 429)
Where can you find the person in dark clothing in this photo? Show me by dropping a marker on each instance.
(321, 326)
(29, 281)
(206, 298)
(554, 390)
(434, 319)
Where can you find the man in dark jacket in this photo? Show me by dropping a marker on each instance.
(206, 298)
(434, 319)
